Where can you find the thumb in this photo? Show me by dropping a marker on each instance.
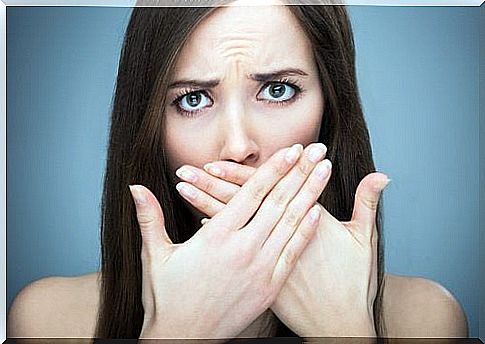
(367, 199)
(150, 219)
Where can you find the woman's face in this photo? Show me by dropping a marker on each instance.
(245, 85)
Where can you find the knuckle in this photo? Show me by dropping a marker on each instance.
(278, 197)
(209, 185)
(257, 191)
(292, 216)
(369, 203)
(303, 169)
(305, 234)
(145, 219)
(279, 168)
(290, 258)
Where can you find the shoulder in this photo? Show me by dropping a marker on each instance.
(56, 307)
(418, 307)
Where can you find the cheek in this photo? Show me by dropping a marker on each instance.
(187, 147)
(294, 132)
(307, 128)
(298, 124)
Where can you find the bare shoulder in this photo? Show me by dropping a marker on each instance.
(418, 307)
(56, 307)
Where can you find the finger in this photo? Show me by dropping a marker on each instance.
(150, 219)
(205, 203)
(297, 209)
(230, 171)
(275, 205)
(244, 204)
(366, 201)
(295, 246)
(217, 188)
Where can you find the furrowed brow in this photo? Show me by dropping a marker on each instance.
(262, 77)
(277, 74)
(194, 83)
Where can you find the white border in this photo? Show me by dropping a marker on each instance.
(3, 169)
(198, 3)
(120, 3)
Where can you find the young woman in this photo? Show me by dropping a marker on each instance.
(291, 242)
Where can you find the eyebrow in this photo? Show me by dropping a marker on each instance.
(262, 77)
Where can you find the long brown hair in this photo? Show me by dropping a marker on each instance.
(136, 153)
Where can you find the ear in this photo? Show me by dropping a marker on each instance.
(366, 201)
(150, 219)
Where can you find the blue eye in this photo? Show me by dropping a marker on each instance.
(278, 92)
(193, 102)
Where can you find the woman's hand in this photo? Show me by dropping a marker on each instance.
(331, 290)
(215, 284)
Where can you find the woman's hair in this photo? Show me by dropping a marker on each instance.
(137, 155)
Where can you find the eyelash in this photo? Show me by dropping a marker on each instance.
(295, 84)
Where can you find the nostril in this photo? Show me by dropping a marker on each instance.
(248, 160)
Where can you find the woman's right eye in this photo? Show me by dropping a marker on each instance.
(192, 102)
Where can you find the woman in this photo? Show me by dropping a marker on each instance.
(272, 77)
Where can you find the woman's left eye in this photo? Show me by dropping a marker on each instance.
(278, 92)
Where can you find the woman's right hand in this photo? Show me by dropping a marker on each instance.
(216, 283)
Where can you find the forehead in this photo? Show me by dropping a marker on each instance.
(267, 37)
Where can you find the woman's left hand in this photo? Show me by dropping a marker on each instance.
(331, 291)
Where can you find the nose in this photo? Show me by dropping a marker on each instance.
(238, 137)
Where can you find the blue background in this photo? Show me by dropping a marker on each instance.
(418, 73)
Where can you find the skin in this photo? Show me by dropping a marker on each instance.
(331, 290)
(235, 129)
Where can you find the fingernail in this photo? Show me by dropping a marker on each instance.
(186, 190)
(317, 152)
(380, 185)
(137, 193)
(323, 169)
(315, 213)
(385, 183)
(294, 153)
(186, 174)
(213, 169)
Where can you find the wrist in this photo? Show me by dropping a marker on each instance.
(352, 325)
